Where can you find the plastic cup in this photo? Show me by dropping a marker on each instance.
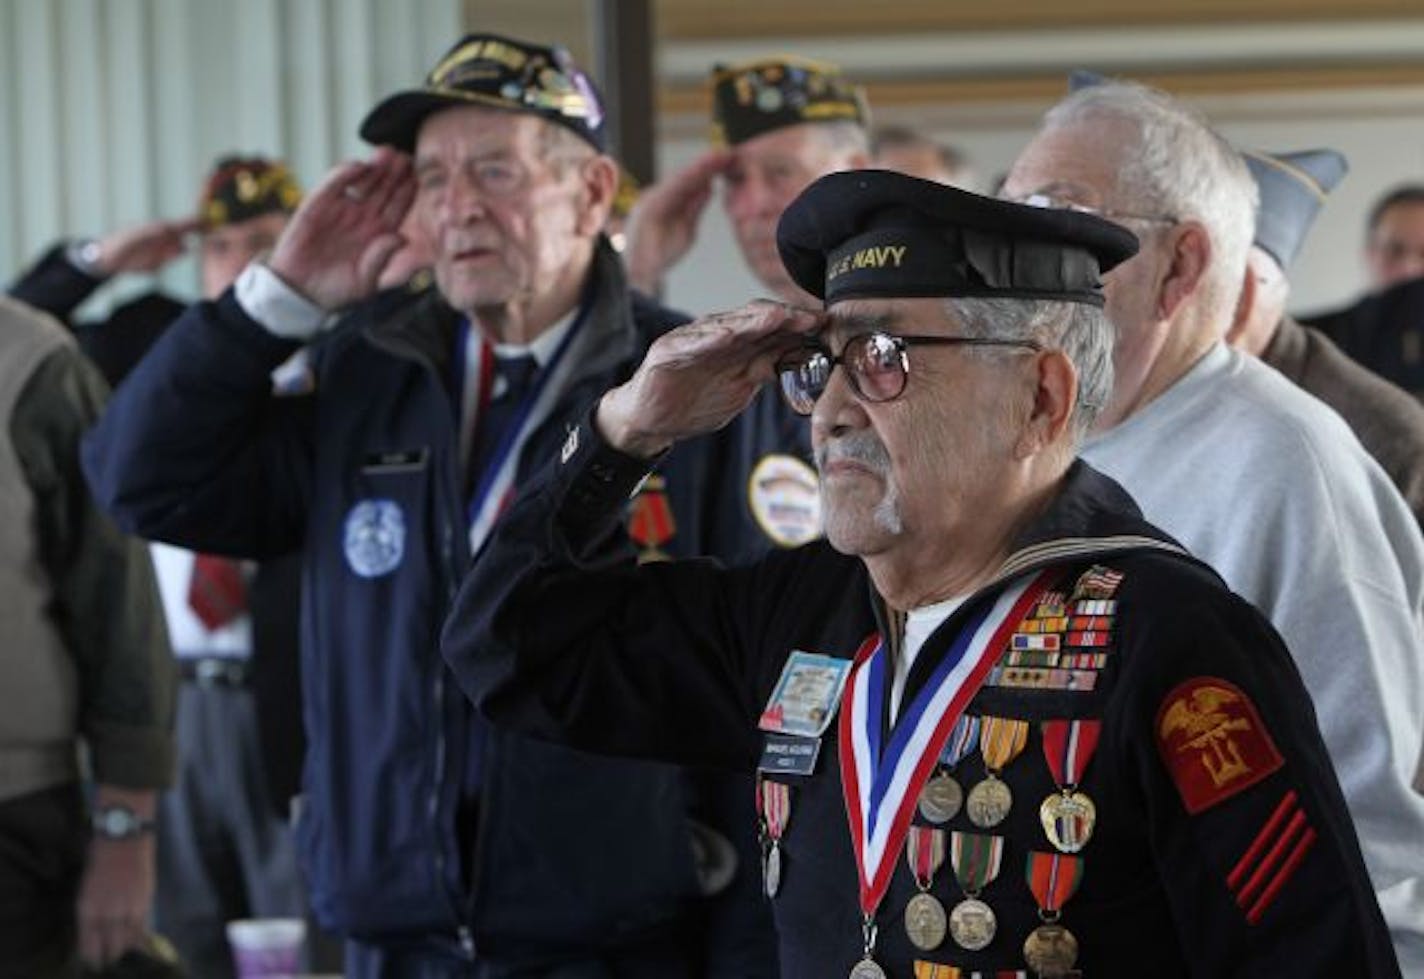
(267, 948)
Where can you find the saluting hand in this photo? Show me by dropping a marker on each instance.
(145, 247)
(664, 221)
(697, 378)
(344, 233)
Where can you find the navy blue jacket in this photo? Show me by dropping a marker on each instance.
(572, 853)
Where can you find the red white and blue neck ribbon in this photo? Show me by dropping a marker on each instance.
(494, 487)
(881, 782)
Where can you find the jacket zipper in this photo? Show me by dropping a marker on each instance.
(440, 779)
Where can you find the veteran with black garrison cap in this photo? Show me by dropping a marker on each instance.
(1388, 421)
(778, 123)
(1000, 723)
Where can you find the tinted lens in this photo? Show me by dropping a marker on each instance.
(803, 380)
(876, 362)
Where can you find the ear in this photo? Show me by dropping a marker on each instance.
(598, 176)
(1055, 394)
(1245, 303)
(1188, 260)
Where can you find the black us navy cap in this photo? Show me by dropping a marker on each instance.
(487, 69)
(872, 233)
(772, 93)
(1293, 188)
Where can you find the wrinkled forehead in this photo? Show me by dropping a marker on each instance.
(1074, 163)
(263, 226)
(475, 130)
(851, 317)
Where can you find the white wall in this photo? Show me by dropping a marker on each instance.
(113, 110)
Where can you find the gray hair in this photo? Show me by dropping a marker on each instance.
(1080, 330)
(1173, 163)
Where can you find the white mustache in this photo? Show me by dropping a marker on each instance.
(862, 447)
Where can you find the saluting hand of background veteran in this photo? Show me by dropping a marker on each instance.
(144, 247)
(346, 230)
(664, 222)
(700, 376)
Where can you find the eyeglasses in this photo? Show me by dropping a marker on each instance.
(1063, 204)
(877, 366)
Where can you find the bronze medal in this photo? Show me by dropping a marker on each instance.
(989, 802)
(867, 969)
(1068, 819)
(941, 799)
(1050, 951)
(771, 869)
(925, 922)
(972, 924)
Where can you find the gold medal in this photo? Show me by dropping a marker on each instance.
(941, 799)
(1050, 951)
(771, 869)
(972, 924)
(867, 969)
(1068, 819)
(989, 802)
(925, 922)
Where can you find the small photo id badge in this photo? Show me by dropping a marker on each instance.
(806, 697)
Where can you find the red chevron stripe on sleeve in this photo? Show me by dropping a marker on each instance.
(1271, 859)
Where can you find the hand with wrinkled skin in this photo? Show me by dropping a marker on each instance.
(145, 247)
(697, 378)
(664, 221)
(336, 244)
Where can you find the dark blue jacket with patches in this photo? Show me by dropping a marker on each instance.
(572, 854)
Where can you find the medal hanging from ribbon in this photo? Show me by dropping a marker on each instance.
(494, 487)
(774, 810)
(1051, 950)
(925, 920)
(1068, 816)
(943, 797)
(1001, 740)
(976, 858)
(882, 777)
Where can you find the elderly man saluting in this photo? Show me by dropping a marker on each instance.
(1000, 722)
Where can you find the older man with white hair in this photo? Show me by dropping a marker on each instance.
(1256, 477)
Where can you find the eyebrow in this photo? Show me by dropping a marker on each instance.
(1066, 190)
(854, 324)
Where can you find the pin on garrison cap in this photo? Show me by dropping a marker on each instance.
(244, 187)
(873, 233)
(772, 93)
(1293, 188)
(499, 72)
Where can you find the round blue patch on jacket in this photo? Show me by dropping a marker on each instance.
(374, 539)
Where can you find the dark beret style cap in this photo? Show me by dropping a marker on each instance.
(759, 96)
(501, 72)
(873, 233)
(244, 187)
(1293, 188)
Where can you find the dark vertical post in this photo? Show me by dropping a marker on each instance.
(622, 32)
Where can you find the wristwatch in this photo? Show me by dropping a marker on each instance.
(118, 822)
(84, 255)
